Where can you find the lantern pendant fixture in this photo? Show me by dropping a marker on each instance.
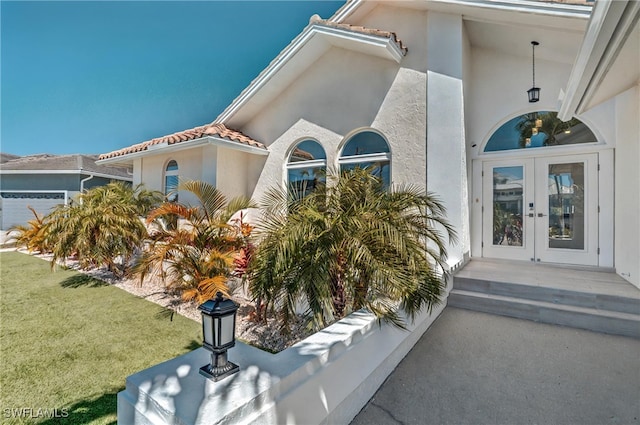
(534, 92)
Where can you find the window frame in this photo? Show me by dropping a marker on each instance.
(170, 173)
(314, 164)
(368, 157)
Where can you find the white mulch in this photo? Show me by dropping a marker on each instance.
(266, 336)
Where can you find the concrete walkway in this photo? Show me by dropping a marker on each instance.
(477, 368)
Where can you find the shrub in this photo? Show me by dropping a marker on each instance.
(197, 256)
(350, 245)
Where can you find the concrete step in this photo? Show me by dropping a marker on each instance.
(594, 319)
(590, 299)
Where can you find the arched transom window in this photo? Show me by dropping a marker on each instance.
(306, 168)
(367, 149)
(171, 181)
(536, 130)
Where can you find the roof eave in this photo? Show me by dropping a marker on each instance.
(608, 29)
(80, 172)
(189, 144)
(218, 141)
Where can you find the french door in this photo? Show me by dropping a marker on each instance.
(542, 209)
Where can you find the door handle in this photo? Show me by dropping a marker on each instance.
(541, 215)
(532, 215)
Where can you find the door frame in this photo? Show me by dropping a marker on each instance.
(524, 249)
(588, 255)
(604, 214)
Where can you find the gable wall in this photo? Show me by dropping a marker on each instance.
(498, 90)
(344, 91)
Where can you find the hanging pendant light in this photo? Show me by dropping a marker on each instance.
(534, 92)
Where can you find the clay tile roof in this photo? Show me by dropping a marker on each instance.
(213, 129)
(315, 19)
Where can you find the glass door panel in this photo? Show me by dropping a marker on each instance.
(508, 202)
(566, 205)
(508, 221)
(566, 225)
(542, 209)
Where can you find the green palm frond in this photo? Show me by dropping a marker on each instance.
(353, 244)
(195, 254)
(210, 198)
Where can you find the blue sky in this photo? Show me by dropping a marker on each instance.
(95, 76)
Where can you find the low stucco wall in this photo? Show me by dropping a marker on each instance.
(324, 379)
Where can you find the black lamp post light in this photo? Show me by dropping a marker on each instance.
(534, 92)
(218, 330)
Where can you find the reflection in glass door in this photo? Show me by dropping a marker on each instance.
(507, 225)
(508, 201)
(567, 209)
(542, 209)
(566, 205)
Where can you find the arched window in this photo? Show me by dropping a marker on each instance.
(367, 149)
(538, 129)
(305, 168)
(171, 181)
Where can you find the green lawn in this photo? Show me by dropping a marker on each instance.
(68, 342)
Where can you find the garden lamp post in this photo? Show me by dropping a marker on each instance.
(218, 330)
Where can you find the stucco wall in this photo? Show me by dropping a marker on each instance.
(231, 173)
(345, 91)
(446, 143)
(190, 167)
(498, 90)
(325, 379)
(627, 188)
(409, 25)
(498, 93)
(225, 168)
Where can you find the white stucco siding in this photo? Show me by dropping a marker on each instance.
(627, 188)
(273, 173)
(446, 150)
(340, 91)
(151, 171)
(190, 167)
(402, 119)
(137, 173)
(231, 175)
(498, 90)
(210, 164)
(410, 27)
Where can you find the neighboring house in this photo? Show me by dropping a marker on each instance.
(435, 93)
(44, 181)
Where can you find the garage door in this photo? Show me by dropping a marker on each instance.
(14, 205)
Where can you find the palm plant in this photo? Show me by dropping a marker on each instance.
(102, 227)
(197, 256)
(349, 245)
(33, 236)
